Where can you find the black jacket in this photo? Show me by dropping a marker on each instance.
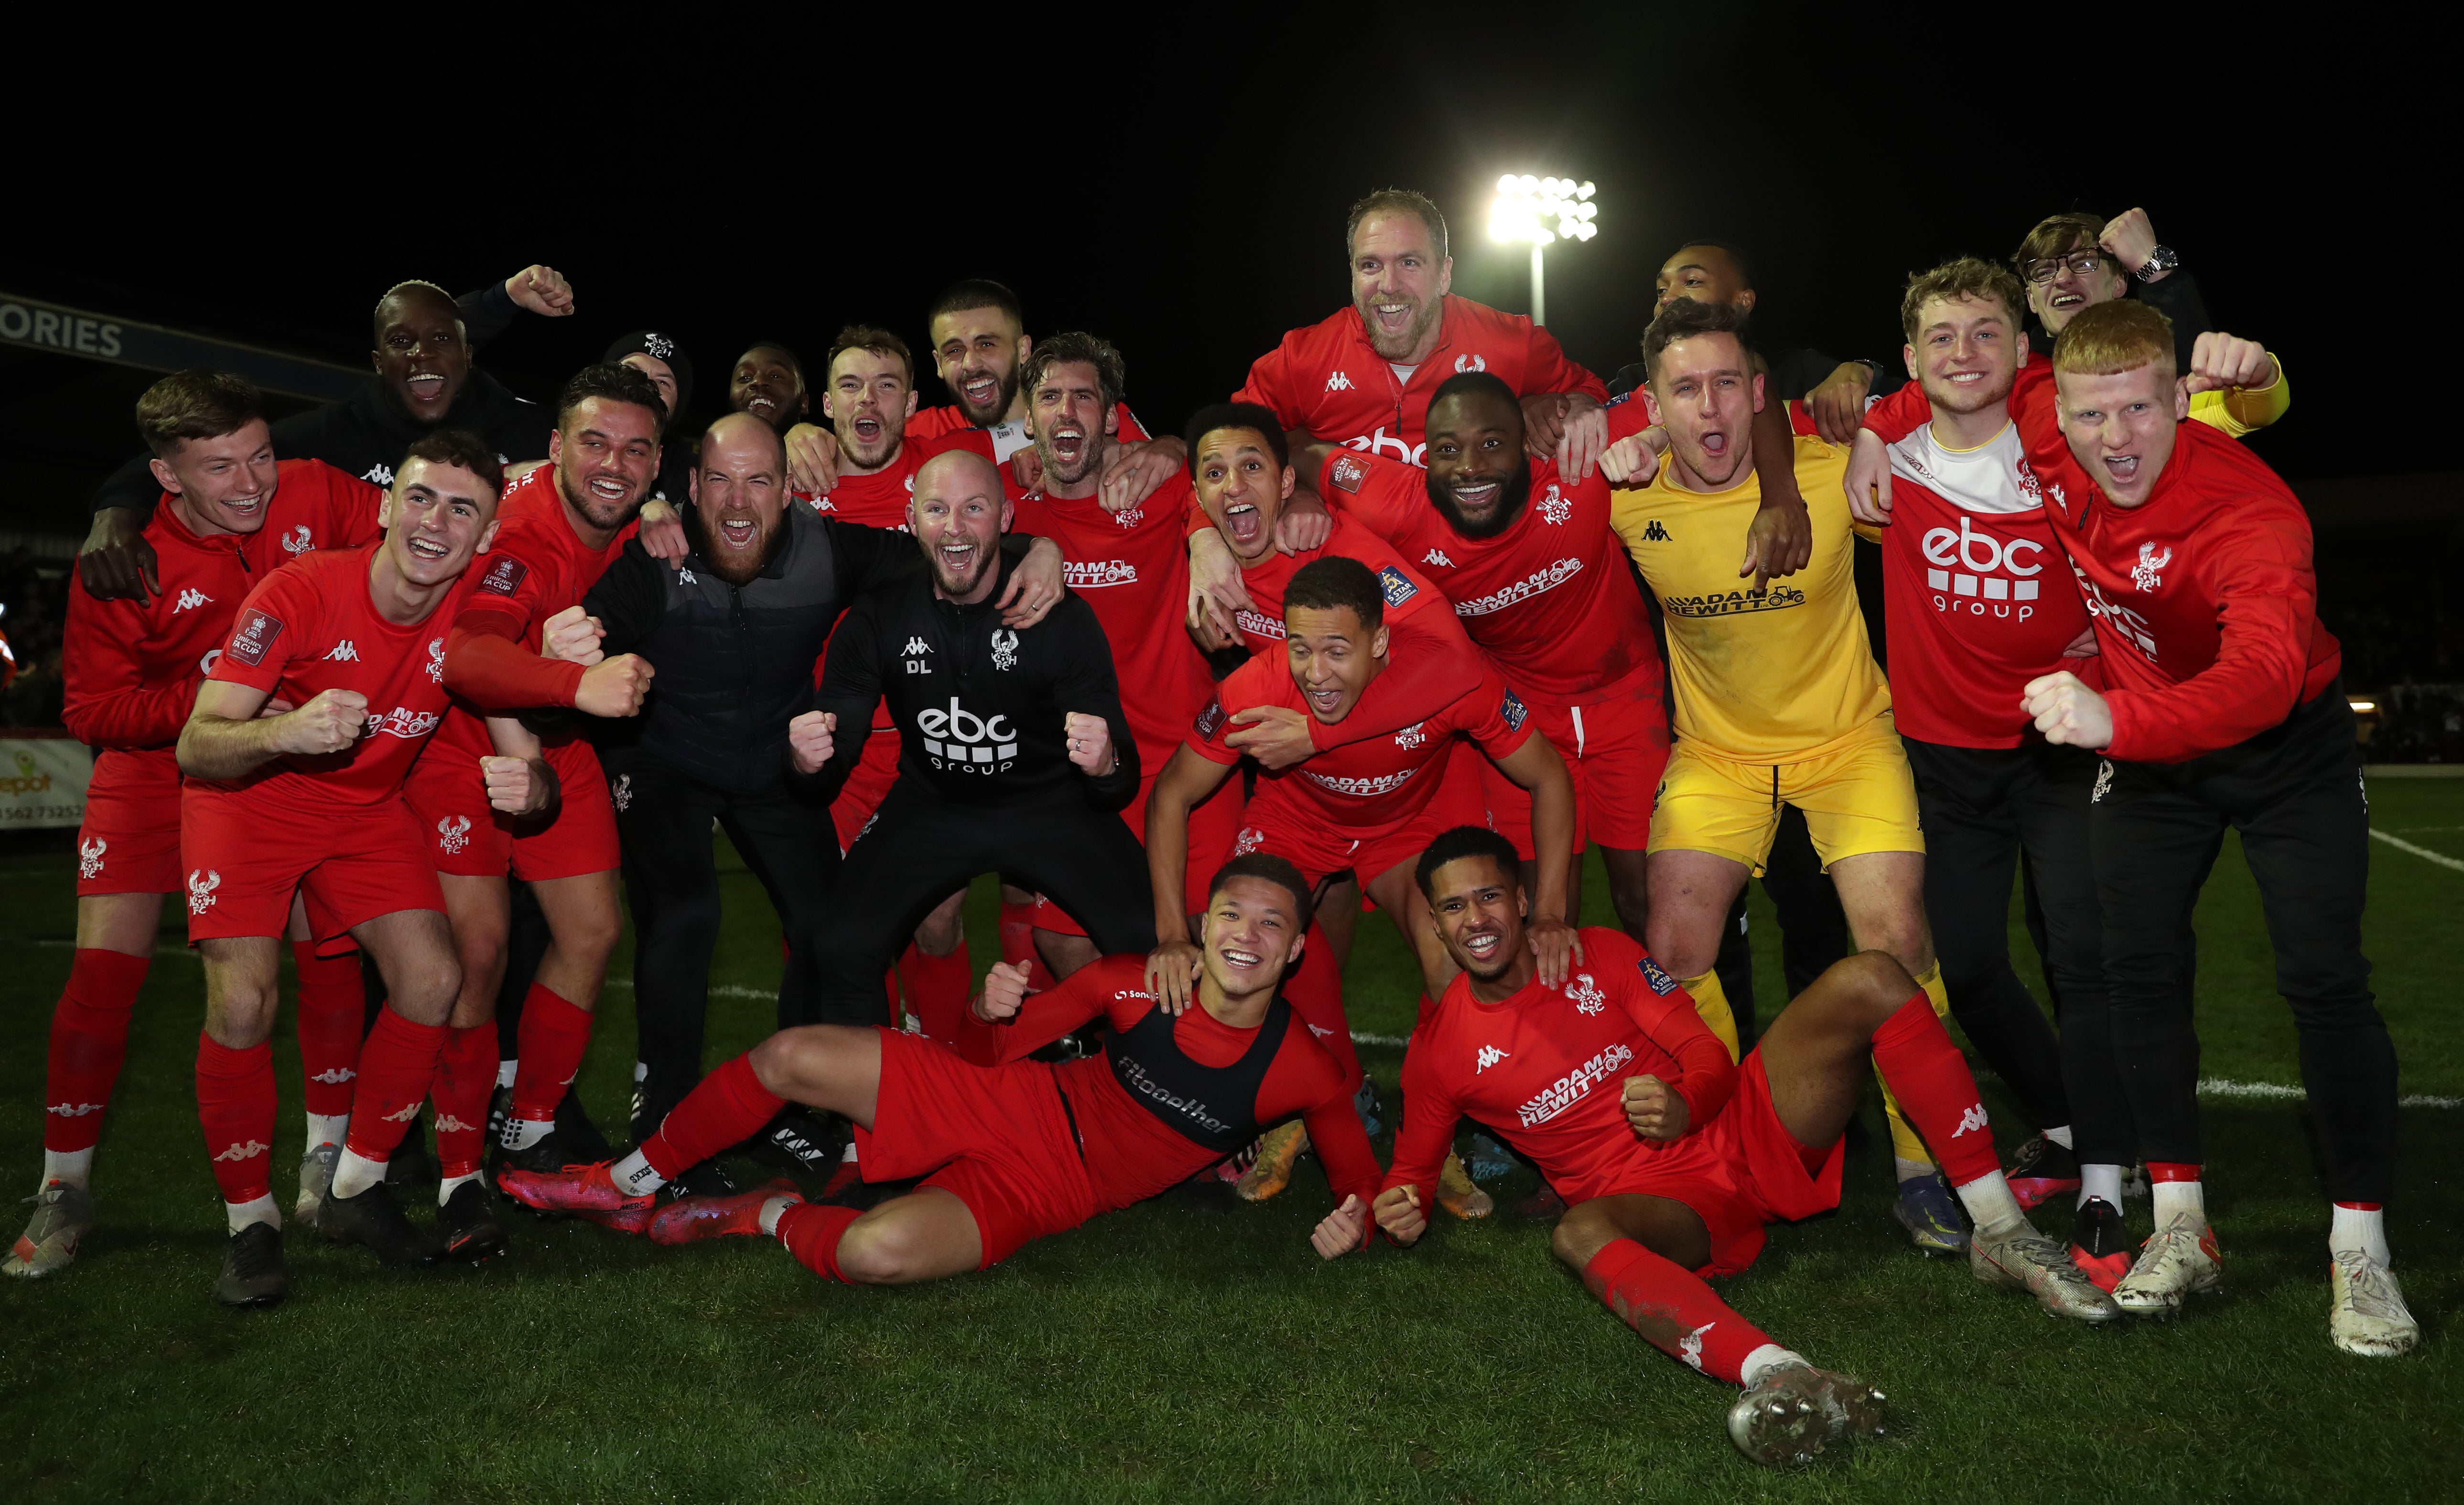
(365, 435)
(978, 707)
(2177, 298)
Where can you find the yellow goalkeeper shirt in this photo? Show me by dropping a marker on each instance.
(1774, 676)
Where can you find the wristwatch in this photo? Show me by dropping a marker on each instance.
(2161, 260)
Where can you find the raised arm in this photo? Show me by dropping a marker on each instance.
(1185, 783)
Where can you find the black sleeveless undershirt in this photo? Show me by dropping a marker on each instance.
(1214, 1106)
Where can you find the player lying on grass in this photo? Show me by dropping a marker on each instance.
(1671, 1177)
(1012, 1149)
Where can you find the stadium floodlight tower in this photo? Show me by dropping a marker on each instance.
(1542, 210)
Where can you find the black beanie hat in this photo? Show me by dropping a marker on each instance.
(659, 344)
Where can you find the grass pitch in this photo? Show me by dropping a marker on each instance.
(1168, 1353)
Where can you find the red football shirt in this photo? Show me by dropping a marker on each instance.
(1373, 781)
(1328, 381)
(133, 670)
(1547, 1068)
(312, 627)
(1409, 595)
(1133, 567)
(1550, 598)
(2203, 599)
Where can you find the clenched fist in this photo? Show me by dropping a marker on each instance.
(327, 724)
(1398, 1212)
(1091, 742)
(573, 635)
(543, 290)
(1632, 462)
(2220, 362)
(614, 688)
(809, 740)
(2067, 711)
(1653, 1109)
(517, 785)
(1004, 990)
(1341, 1231)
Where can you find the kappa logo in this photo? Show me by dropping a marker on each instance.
(966, 739)
(1972, 1121)
(2103, 781)
(1339, 383)
(90, 857)
(436, 661)
(621, 792)
(1397, 586)
(447, 1123)
(411, 1111)
(1654, 533)
(686, 577)
(1586, 993)
(505, 576)
(1555, 508)
(1412, 735)
(1469, 363)
(453, 833)
(1437, 556)
(2152, 559)
(1489, 1056)
(250, 1150)
(202, 883)
(382, 475)
(1690, 1346)
(334, 1075)
(342, 653)
(73, 1110)
(298, 541)
(1348, 473)
(2000, 572)
(1005, 650)
(190, 600)
(916, 645)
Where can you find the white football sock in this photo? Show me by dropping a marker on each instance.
(445, 1189)
(2174, 1198)
(355, 1173)
(1758, 1364)
(1989, 1204)
(2062, 1136)
(520, 1134)
(327, 1128)
(2101, 1181)
(505, 1072)
(634, 1177)
(1911, 1170)
(261, 1211)
(72, 1167)
(774, 1209)
(2361, 1228)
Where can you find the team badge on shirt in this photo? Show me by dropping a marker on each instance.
(1210, 718)
(505, 576)
(1348, 473)
(1512, 710)
(1661, 982)
(254, 636)
(1397, 586)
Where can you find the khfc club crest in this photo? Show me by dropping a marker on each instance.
(1005, 650)
(1586, 993)
(621, 792)
(90, 857)
(453, 833)
(202, 883)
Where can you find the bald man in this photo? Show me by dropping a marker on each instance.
(734, 634)
(421, 344)
(1014, 755)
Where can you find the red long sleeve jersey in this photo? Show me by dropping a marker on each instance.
(537, 568)
(2204, 600)
(1546, 1070)
(1328, 381)
(133, 670)
(1376, 781)
(1132, 1153)
(1133, 567)
(1550, 598)
(312, 627)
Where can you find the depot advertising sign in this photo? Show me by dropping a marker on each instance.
(42, 781)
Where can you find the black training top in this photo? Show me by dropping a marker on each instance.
(365, 433)
(978, 707)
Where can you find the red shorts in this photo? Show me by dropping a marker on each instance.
(994, 1136)
(1767, 1179)
(348, 864)
(1214, 827)
(1298, 831)
(875, 771)
(465, 838)
(1614, 750)
(129, 841)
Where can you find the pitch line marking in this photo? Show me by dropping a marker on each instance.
(2401, 845)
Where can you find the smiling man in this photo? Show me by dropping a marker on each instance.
(768, 382)
(352, 640)
(229, 513)
(1672, 1159)
(1012, 1150)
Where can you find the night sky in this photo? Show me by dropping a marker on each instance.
(1185, 198)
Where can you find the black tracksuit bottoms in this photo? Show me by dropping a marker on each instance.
(2295, 794)
(663, 819)
(922, 848)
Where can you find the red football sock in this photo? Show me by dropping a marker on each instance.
(88, 1041)
(1673, 1310)
(466, 1073)
(397, 1065)
(555, 1033)
(938, 988)
(1018, 944)
(1316, 993)
(333, 1014)
(811, 1232)
(728, 1106)
(235, 1105)
(1924, 1069)
(2174, 1170)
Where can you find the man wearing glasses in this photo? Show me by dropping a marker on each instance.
(2073, 261)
